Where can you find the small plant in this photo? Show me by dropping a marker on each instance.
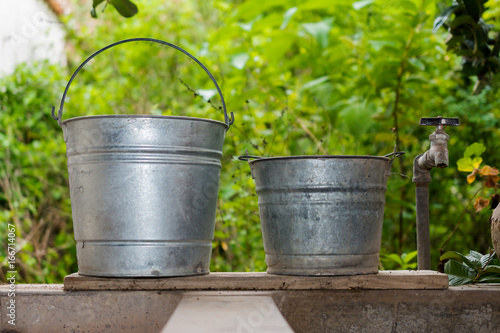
(395, 261)
(471, 162)
(472, 268)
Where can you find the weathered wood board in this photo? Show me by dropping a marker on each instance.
(416, 280)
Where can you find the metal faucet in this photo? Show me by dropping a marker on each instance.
(436, 156)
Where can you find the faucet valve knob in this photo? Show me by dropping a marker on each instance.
(439, 122)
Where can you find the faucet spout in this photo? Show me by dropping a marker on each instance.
(436, 156)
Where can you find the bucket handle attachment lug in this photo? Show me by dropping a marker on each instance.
(394, 155)
(247, 158)
(228, 120)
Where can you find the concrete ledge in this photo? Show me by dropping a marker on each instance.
(455, 310)
(395, 280)
(467, 309)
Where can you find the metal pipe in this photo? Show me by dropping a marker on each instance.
(436, 156)
(423, 238)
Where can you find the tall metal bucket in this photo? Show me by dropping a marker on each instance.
(143, 189)
(321, 215)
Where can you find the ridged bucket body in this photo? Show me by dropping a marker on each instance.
(321, 215)
(143, 193)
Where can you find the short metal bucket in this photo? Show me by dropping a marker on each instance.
(321, 215)
(143, 190)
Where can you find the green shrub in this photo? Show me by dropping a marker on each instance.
(33, 176)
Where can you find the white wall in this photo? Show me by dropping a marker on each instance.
(29, 31)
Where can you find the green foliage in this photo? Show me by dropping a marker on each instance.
(472, 38)
(472, 268)
(302, 77)
(394, 261)
(33, 186)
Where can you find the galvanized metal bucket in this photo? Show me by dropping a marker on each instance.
(321, 215)
(143, 189)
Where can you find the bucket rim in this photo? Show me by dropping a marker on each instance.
(145, 116)
(318, 157)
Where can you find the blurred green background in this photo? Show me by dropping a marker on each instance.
(302, 78)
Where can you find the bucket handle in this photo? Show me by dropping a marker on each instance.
(227, 120)
(388, 172)
(247, 157)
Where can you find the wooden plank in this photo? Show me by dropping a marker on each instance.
(263, 281)
(215, 314)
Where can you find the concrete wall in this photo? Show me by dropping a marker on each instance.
(29, 31)
(455, 310)
(47, 308)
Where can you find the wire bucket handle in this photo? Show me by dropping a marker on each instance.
(227, 120)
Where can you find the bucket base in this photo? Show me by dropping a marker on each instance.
(143, 259)
(327, 264)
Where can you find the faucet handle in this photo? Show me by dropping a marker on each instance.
(439, 121)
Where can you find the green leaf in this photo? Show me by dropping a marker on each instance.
(492, 269)
(495, 261)
(416, 80)
(451, 255)
(239, 60)
(475, 149)
(443, 17)
(458, 280)
(357, 118)
(363, 3)
(473, 8)
(394, 257)
(469, 261)
(487, 259)
(280, 44)
(95, 3)
(417, 63)
(465, 164)
(287, 17)
(410, 256)
(475, 254)
(320, 30)
(322, 4)
(379, 44)
(476, 161)
(458, 273)
(125, 8)
(246, 26)
(316, 82)
(463, 20)
(454, 42)
(473, 262)
(489, 279)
